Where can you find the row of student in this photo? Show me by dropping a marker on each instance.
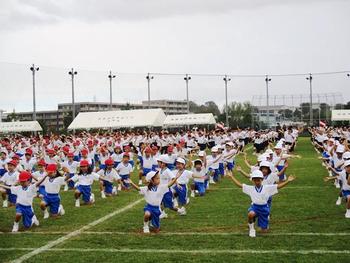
(335, 156)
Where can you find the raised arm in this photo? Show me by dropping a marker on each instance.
(283, 184)
(240, 170)
(238, 183)
(134, 185)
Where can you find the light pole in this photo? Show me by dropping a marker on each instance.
(187, 78)
(226, 79)
(267, 80)
(149, 77)
(73, 73)
(309, 78)
(34, 69)
(110, 76)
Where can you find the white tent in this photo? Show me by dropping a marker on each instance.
(20, 126)
(340, 115)
(118, 119)
(189, 119)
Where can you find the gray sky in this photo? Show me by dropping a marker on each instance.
(182, 36)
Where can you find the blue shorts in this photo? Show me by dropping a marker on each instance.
(71, 183)
(53, 201)
(11, 197)
(171, 166)
(145, 171)
(132, 163)
(155, 213)
(230, 166)
(96, 158)
(116, 164)
(41, 190)
(345, 193)
(221, 169)
(206, 183)
(168, 200)
(181, 193)
(2, 172)
(154, 167)
(262, 212)
(27, 214)
(200, 187)
(76, 158)
(102, 166)
(215, 175)
(108, 187)
(282, 176)
(140, 160)
(123, 178)
(85, 190)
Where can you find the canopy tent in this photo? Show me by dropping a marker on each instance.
(340, 115)
(118, 119)
(20, 126)
(190, 119)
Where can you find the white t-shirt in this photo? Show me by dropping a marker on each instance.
(109, 176)
(147, 162)
(123, 169)
(184, 177)
(272, 178)
(24, 195)
(201, 173)
(85, 179)
(342, 177)
(260, 196)
(166, 176)
(39, 175)
(53, 185)
(155, 196)
(10, 178)
(71, 166)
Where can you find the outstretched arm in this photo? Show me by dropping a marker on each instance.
(239, 169)
(238, 183)
(283, 184)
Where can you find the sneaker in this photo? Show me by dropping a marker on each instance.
(15, 227)
(163, 215)
(46, 214)
(211, 180)
(146, 230)
(337, 185)
(35, 221)
(252, 232)
(65, 188)
(338, 201)
(103, 195)
(77, 203)
(347, 214)
(182, 211)
(114, 190)
(5, 203)
(92, 198)
(140, 182)
(61, 210)
(192, 194)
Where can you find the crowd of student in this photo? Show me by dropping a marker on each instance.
(332, 144)
(169, 165)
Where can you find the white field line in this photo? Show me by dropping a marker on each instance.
(184, 251)
(288, 187)
(184, 233)
(75, 233)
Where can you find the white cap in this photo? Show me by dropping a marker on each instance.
(181, 160)
(347, 163)
(265, 164)
(163, 158)
(262, 157)
(214, 149)
(150, 175)
(269, 151)
(201, 154)
(346, 155)
(278, 146)
(340, 148)
(257, 174)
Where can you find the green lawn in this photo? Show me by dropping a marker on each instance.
(215, 229)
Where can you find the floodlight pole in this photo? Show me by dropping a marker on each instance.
(110, 76)
(34, 69)
(187, 78)
(309, 78)
(226, 79)
(267, 80)
(149, 77)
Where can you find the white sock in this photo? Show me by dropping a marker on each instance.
(15, 223)
(251, 225)
(146, 223)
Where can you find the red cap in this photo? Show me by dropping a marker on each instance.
(51, 167)
(70, 154)
(24, 176)
(84, 151)
(50, 151)
(15, 157)
(84, 163)
(13, 162)
(170, 149)
(29, 151)
(109, 162)
(65, 149)
(127, 147)
(42, 162)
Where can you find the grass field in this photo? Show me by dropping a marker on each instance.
(305, 226)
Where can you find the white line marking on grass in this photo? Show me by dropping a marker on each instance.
(185, 233)
(75, 233)
(288, 187)
(189, 251)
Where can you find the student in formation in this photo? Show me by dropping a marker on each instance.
(10, 178)
(199, 176)
(52, 200)
(146, 163)
(108, 176)
(259, 195)
(153, 194)
(38, 175)
(124, 169)
(25, 193)
(70, 167)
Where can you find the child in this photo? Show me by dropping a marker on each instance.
(124, 169)
(38, 175)
(117, 156)
(180, 187)
(199, 176)
(107, 177)
(229, 156)
(25, 193)
(84, 179)
(10, 178)
(153, 194)
(344, 178)
(70, 167)
(53, 182)
(259, 195)
(213, 165)
(147, 163)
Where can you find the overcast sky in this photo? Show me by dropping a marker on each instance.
(180, 36)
